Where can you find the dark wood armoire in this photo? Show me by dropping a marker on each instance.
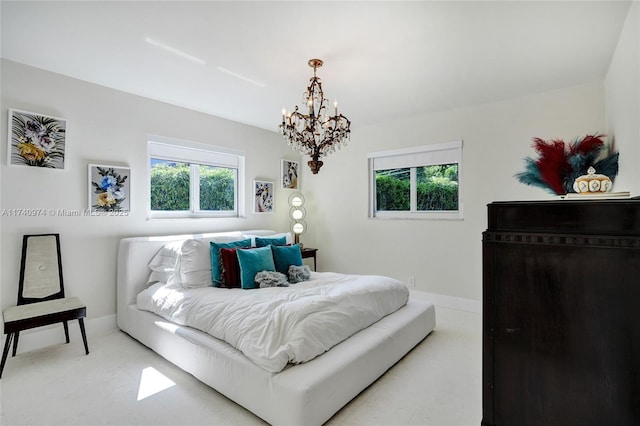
(561, 313)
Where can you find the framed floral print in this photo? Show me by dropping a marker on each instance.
(263, 194)
(109, 188)
(289, 174)
(36, 140)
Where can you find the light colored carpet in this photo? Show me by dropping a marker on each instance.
(120, 383)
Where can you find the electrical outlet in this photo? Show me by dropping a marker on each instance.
(412, 281)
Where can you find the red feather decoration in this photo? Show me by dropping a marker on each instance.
(552, 164)
(588, 144)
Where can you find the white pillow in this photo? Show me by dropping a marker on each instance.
(195, 261)
(164, 264)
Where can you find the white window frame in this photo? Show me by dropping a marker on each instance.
(195, 154)
(426, 155)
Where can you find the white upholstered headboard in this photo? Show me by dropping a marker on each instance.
(134, 255)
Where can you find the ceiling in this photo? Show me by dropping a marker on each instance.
(246, 60)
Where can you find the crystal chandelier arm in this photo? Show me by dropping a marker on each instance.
(298, 133)
(314, 97)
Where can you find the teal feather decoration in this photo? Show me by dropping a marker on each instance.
(608, 166)
(531, 175)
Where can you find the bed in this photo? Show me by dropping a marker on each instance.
(308, 393)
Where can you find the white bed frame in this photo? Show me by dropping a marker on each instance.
(304, 394)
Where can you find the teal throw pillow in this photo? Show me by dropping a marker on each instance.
(268, 241)
(216, 275)
(285, 256)
(253, 261)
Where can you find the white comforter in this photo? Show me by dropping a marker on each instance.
(280, 325)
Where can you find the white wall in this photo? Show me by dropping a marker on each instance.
(105, 126)
(444, 256)
(623, 101)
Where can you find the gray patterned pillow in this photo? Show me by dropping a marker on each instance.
(271, 279)
(298, 274)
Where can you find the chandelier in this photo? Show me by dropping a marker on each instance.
(316, 133)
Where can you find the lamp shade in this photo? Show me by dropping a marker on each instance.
(299, 227)
(297, 213)
(296, 199)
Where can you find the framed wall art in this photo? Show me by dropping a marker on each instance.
(36, 140)
(109, 188)
(263, 193)
(289, 174)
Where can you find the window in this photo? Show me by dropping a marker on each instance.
(194, 180)
(416, 183)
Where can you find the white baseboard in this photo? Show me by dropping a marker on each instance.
(451, 302)
(41, 337)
